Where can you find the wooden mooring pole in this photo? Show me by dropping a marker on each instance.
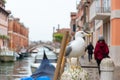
(61, 55)
(64, 58)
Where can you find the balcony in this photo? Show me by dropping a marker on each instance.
(99, 12)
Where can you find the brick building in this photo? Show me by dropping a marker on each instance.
(18, 34)
(59, 33)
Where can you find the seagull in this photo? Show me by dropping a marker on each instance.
(45, 69)
(76, 48)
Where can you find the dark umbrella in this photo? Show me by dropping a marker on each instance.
(45, 69)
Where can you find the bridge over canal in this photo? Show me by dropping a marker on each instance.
(49, 46)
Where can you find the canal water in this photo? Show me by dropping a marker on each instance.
(15, 70)
(20, 68)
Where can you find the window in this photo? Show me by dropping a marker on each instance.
(74, 27)
(106, 5)
(106, 32)
(98, 5)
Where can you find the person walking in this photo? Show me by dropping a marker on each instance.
(101, 51)
(90, 48)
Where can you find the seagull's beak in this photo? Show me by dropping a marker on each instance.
(87, 34)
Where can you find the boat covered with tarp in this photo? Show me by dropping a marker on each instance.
(44, 72)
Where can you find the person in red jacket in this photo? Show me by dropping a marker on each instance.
(101, 51)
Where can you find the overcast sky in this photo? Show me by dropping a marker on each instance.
(40, 16)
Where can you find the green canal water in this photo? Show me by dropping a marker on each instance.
(15, 70)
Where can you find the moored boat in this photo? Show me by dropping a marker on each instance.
(52, 57)
(45, 68)
(7, 55)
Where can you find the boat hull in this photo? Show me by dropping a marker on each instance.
(7, 58)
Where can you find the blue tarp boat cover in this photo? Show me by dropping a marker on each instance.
(44, 72)
(39, 78)
(45, 69)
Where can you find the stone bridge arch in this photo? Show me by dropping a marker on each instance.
(50, 47)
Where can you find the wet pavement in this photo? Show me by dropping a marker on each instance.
(91, 68)
(15, 70)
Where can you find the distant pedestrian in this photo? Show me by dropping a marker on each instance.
(101, 51)
(90, 49)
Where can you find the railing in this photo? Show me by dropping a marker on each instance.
(103, 10)
(97, 8)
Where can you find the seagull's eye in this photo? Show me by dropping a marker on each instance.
(82, 33)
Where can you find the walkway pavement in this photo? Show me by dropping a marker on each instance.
(91, 68)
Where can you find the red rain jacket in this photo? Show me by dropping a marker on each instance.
(101, 50)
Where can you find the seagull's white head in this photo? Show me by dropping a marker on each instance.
(80, 34)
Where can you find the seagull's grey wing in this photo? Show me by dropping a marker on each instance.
(68, 50)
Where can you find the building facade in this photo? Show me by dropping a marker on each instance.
(101, 17)
(18, 33)
(3, 25)
(73, 26)
(58, 35)
(2, 4)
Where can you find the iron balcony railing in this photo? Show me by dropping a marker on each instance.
(103, 10)
(96, 9)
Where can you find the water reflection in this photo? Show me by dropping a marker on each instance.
(15, 70)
